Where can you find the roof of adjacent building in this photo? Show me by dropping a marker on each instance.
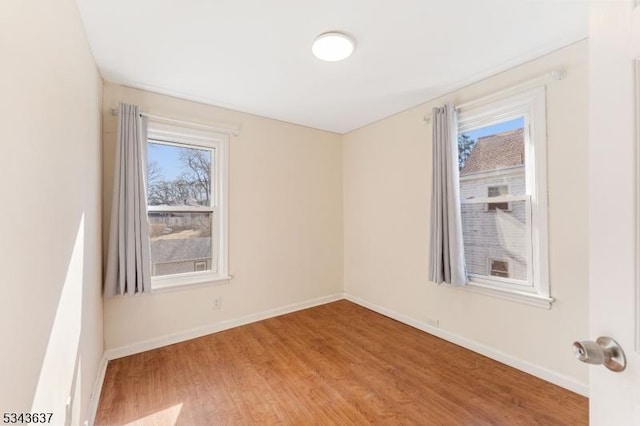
(495, 152)
(180, 249)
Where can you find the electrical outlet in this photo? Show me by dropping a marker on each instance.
(433, 322)
(217, 303)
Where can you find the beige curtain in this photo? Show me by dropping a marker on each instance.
(128, 258)
(446, 262)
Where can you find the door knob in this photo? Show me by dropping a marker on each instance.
(604, 350)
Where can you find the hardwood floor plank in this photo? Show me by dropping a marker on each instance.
(335, 364)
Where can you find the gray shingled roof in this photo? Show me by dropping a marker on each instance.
(496, 152)
(180, 249)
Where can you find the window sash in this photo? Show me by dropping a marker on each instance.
(528, 101)
(510, 282)
(505, 283)
(172, 135)
(211, 146)
(501, 199)
(181, 209)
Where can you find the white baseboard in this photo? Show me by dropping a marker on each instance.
(170, 339)
(92, 409)
(535, 370)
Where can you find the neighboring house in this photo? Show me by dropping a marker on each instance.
(181, 255)
(494, 233)
(172, 220)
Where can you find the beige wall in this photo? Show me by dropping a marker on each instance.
(285, 222)
(387, 183)
(51, 315)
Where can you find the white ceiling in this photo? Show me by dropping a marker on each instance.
(255, 55)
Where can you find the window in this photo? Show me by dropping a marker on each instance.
(499, 268)
(501, 159)
(187, 205)
(497, 191)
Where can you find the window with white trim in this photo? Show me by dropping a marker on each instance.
(497, 191)
(187, 193)
(499, 268)
(502, 164)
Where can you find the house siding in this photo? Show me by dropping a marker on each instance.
(496, 234)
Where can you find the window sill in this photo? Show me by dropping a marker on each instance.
(524, 297)
(164, 284)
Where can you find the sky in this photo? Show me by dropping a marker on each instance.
(167, 157)
(517, 123)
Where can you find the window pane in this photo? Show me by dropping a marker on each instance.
(181, 243)
(492, 156)
(493, 235)
(178, 176)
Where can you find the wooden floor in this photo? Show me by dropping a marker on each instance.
(336, 364)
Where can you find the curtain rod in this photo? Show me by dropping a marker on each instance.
(234, 130)
(559, 74)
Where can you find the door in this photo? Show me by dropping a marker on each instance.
(614, 44)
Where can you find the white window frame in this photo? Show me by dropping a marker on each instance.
(219, 143)
(530, 104)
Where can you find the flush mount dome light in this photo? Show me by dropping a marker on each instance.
(333, 46)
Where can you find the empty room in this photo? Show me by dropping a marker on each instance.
(342, 212)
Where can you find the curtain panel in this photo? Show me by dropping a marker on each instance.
(446, 262)
(128, 268)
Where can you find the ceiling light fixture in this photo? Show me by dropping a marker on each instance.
(333, 46)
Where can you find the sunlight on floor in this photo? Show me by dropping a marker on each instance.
(167, 417)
